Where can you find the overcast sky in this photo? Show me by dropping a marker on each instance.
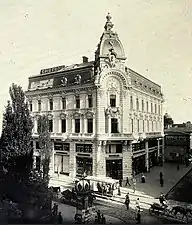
(156, 35)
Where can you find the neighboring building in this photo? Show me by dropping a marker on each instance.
(178, 142)
(105, 119)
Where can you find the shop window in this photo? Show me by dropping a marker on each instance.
(60, 146)
(77, 125)
(63, 125)
(61, 164)
(50, 104)
(90, 126)
(114, 125)
(113, 100)
(50, 125)
(84, 165)
(77, 102)
(39, 105)
(90, 101)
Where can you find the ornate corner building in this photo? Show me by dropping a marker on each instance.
(105, 119)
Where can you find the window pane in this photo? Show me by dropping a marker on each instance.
(77, 125)
(90, 125)
(63, 125)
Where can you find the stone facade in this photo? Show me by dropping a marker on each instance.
(103, 115)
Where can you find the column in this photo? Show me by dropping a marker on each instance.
(73, 125)
(35, 125)
(72, 161)
(146, 155)
(109, 125)
(101, 161)
(127, 160)
(93, 125)
(85, 125)
(81, 124)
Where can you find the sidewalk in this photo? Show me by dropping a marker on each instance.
(68, 213)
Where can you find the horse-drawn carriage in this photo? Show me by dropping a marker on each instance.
(176, 214)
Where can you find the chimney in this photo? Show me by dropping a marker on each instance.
(85, 59)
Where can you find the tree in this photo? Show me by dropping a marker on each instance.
(168, 121)
(45, 145)
(16, 138)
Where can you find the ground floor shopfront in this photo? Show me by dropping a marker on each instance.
(115, 159)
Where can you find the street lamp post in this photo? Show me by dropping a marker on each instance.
(82, 189)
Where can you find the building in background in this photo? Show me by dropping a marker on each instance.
(105, 119)
(178, 142)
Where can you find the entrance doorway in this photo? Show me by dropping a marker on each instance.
(114, 168)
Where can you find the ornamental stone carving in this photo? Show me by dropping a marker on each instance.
(89, 115)
(64, 81)
(77, 79)
(50, 116)
(113, 84)
(76, 115)
(63, 116)
(113, 111)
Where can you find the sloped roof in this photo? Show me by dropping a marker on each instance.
(182, 190)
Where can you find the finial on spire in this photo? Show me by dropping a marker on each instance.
(109, 25)
(108, 17)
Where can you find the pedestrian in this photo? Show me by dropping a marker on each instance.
(127, 200)
(120, 182)
(103, 220)
(162, 199)
(161, 175)
(134, 184)
(127, 182)
(55, 209)
(143, 178)
(99, 216)
(137, 204)
(60, 218)
(138, 217)
(119, 190)
(161, 182)
(178, 167)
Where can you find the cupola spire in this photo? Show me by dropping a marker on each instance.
(108, 25)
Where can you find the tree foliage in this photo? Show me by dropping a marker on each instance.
(168, 121)
(45, 145)
(16, 138)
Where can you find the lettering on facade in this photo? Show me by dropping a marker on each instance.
(42, 84)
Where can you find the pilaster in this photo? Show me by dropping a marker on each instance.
(146, 155)
(101, 161)
(72, 160)
(127, 159)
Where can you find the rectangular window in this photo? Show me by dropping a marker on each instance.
(137, 103)
(147, 104)
(63, 103)
(131, 102)
(142, 106)
(77, 125)
(155, 108)
(90, 101)
(152, 125)
(50, 104)
(113, 100)
(50, 125)
(63, 125)
(148, 125)
(31, 106)
(38, 163)
(159, 110)
(39, 105)
(61, 164)
(132, 125)
(37, 145)
(119, 148)
(90, 126)
(77, 102)
(114, 125)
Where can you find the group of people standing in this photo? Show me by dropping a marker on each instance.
(57, 215)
